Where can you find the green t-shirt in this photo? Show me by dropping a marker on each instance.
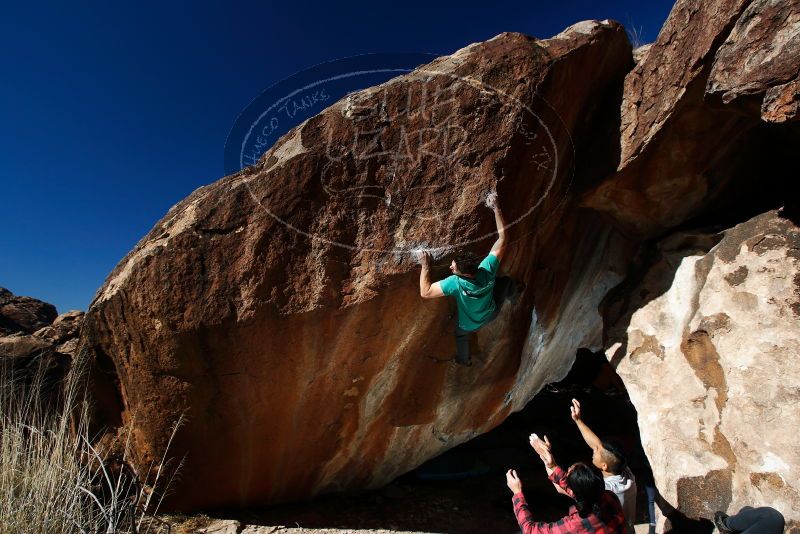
(474, 296)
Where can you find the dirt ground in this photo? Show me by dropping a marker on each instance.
(476, 505)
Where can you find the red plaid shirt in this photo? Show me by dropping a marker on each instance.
(611, 520)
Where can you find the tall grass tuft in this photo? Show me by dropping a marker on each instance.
(52, 479)
(635, 34)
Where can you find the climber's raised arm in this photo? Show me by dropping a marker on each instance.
(589, 437)
(426, 289)
(498, 248)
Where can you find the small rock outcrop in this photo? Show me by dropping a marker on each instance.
(36, 342)
(23, 314)
(30, 328)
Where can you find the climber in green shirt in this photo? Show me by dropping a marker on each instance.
(474, 285)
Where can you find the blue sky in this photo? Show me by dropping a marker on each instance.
(113, 112)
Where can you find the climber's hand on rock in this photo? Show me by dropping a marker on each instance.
(491, 200)
(513, 482)
(575, 410)
(424, 258)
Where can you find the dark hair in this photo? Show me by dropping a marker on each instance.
(614, 458)
(467, 262)
(587, 487)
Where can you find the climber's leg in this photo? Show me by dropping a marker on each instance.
(462, 347)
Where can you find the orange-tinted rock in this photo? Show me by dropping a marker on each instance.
(279, 307)
(782, 103)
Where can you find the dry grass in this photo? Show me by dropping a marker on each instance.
(635, 34)
(51, 478)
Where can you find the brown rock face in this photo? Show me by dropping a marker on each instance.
(706, 346)
(691, 127)
(279, 307)
(23, 314)
(761, 52)
(656, 87)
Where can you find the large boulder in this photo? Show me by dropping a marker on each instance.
(279, 308)
(695, 131)
(706, 342)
